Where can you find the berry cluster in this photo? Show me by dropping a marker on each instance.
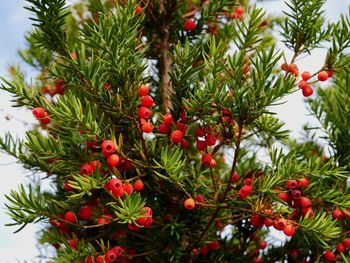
(144, 110)
(52, 90)
(331, 255)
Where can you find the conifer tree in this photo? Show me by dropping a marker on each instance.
(153, 116)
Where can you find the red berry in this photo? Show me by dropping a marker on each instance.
(199, 132)
(337, 213)
(296, 194)
(305, 76)
(100, 259)
(95, 165)
(144, 113)
(292, 68)
(214, 245)
(330, 73)
(201, 145)
(303, 182)
(245, 191)
(279, 224)
(113, 160)
(309, 210)
(346, 242)
(70, 217)
(248, 181)
(85, 213)
(138, 9)
(284, 66)
(108, 147)
(268, 222)
(45, 121)
(176, 136)
(305, 202)
(168, 119)
(239, 10)
(307, 91)
(262, 244)
(133, 227)
(110, 256)
(114, 184)
(190, 25)
(163, 128)
(340, 248)
(284, 196)
(89, 259)
(146, 220)
(147, 101)
(257, 260)
(143, 90)
(118, 250)
(210, 139)
(39, 112)
(72, 243)
(68, 187)
(200, 199)
(234, 177)
(302, 84)
(206, 159)
(86, 169)
(138, 185)
(106, 86)
(204, 250)
(185, 144)
(292, 184)
(147, 127)
(189, 204)
(322, 76)
(329, 256)
(257, 221)
(289, 230)
(128, 188)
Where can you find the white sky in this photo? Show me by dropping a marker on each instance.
(14, 22)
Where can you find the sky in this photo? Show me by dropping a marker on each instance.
(14, 23)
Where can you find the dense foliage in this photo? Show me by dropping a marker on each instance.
(156, 132)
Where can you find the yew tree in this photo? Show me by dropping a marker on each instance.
(156, 130)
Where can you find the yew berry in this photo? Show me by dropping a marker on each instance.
(340, 248)
(111, 256)
(213, 163)
(204, 250)
(296, 194)
(128, 188)
(168, 119)
(307, 91)
(185, 144)
(102, 221)
(268, 222)
(291, 184)
(147, 127)
(133, 227)
(279, 224)
(200, 199)
(206, 159)
(106, 86)
(214, 245)
(108, 147)
(163, 128)
(95, 165)
(100, 259)
(138, 9)
(118, 250)
(248, 181)
(330, 73)
(176, 136)
(284, 66)
(337, 213)
(199, 132)
(210, 139)
(257, 221)
(189, 204)
(302, 84)
(118, 192)
(190, 25)
(89, 259)
(113, 160)
(262, 244)
(234, 177)
(70, 217)
(68, 187)
(143, 91)
(257, 260)
(305, 211)
(289, 230)
(284, 196)
(39, 112)
(114, 184)
(322, 76)
(146, 220)
(303, 182)
(201, 145)
(346, 242)
(305, 75)
(329, 256)
(138, 185)
(305, 202)
(72, 243)
(45, 121)
(147, 101)
(239, 10)
(86, 169)
(144, 113)
(85, 213)
(292, 68)
(245, 191)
